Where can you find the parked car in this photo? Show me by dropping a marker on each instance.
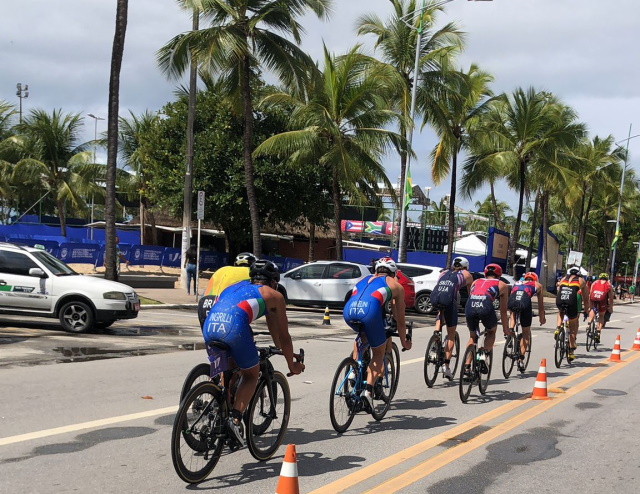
(408, 285)
(34, 283)
(505, 278)
(425, 279)
(321, 283)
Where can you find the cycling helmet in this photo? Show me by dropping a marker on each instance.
(531, 276)
(386, 263)
(493, 269)
(264, 270)
(460, 261)
(245, 259)
(603, 276)
(575, 270)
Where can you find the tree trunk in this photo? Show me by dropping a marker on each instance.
(335, 188)
(247, 136)
(142, 224)
(61, 216)
(312, 241)
(494, 205)
(452, 205)
(403, 174)
(187, 199)
(154, 230)
(513, 245)
(545, 251)
(583, 228)
(112, 139)
(532, 236)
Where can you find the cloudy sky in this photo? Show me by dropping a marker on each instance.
(584, 51)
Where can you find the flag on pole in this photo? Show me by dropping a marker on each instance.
(408, 189)
(616, 237)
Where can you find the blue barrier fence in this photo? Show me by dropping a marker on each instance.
(137, 255)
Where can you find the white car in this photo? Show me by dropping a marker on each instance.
(34, 283)
(425, 279)
(321, 283)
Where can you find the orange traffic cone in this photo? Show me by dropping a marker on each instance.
(615, 353)
(540, 386)
(636, 342)
(288, 482)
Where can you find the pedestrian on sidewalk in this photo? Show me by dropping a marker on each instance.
(191, 258)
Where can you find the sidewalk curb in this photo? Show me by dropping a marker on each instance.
(168, 306)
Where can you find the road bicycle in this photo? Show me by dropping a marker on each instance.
(511, 354)
(199, 431)
(592, 331)
(349, 382)
(391, 329)
(562, 341)
(435, 353)
(476, 368)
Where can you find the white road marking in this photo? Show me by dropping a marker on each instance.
(85, 425)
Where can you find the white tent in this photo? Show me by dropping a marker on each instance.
(473, 245)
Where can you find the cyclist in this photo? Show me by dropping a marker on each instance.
(364, 311)
(479, 307)
(221, 279)
(601, 297)
(446, 297)
(567, 299)
(229, 322)
(520, 300)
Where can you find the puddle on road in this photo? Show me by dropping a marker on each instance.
(85, 354)
(609, 392)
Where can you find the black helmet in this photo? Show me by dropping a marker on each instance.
(245, 259)
(264, 270)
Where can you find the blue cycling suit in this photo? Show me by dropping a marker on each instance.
(229, 322)
(365, 309)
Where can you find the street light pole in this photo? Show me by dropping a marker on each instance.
(617, 232)
(95, 146)
(402, 254)
(635, 269)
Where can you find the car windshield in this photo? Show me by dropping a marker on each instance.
(54, 265)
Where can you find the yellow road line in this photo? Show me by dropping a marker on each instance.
(85, 425)
(429, 466)
(367, 472)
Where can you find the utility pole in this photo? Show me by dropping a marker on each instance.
(22, 93)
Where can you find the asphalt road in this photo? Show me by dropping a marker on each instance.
(74, 418)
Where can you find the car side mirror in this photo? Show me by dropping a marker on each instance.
(296, 276)
(37, 273)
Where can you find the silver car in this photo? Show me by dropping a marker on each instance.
(321, 283)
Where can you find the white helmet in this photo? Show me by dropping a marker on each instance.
(574, 270)
(387, 263)
(460, 261)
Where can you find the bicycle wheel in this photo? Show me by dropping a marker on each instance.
(268, 417)
(198, 433)
(382, 388)
(341, 398)
(559, 349)
(467, 373)
(395, 354)
(485, 376)
(527, 352)
(590, 335)
(200, 373)
(455, 353)
(508, 354)
(432, 360)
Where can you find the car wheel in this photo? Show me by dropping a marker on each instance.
(423, 303)
(284, 293)
(76, 317)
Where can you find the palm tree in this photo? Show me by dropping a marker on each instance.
(134, 155)
(396, 40)
(241, 41)
(529, 129)
(52, 160)
(7, 112)
(467, 96)
(341, 127)
(111, 271)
